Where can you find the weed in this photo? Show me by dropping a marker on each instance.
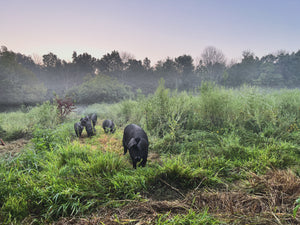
(190, 218)
(65, 106)
(296, 207)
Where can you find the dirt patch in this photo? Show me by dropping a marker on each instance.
(13, 147)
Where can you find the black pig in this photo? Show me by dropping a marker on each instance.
(136, 140)
(93, 117)
(78, 129)
(84, 120)
(108, 126)
(87, 122)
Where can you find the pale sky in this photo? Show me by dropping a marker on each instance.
(156, 29)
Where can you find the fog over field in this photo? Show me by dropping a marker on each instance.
(118, 76)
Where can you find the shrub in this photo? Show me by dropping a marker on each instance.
(99, 89)
(49, 139)
(64, 106)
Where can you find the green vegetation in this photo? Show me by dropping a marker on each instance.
(190, 218)
(214, 146)
(297, 207)
(114, 77)
(100, 88)
(22, 122)
(19, 84)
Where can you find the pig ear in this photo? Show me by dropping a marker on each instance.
(131, 143)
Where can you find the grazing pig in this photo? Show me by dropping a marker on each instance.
(135, 139)
(87, 122)
(84, 120)
(78, 129)
(93, 117)
(108, 126)
(90, 130)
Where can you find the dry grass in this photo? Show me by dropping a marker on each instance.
(110, 144)
(271, 196)
(133, 213)
(267, 199)
(13, 147)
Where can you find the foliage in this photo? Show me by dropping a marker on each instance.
(47, 139)
(2, 131)
(98, 89)
(210, 140)
(27, 82)
(19, 84)
(65, 107)
(21, 124)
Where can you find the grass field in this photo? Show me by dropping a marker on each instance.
(216, 156)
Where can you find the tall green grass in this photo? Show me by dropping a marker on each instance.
(246, 129)
(21, 123)
(206, 139)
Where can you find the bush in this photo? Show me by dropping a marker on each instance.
(49, 139)
(99, 89)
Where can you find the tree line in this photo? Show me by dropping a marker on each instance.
(26, 79)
